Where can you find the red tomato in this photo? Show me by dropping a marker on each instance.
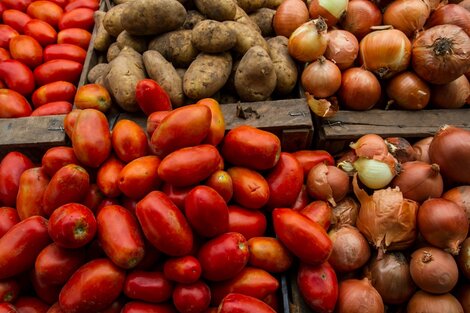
(95, 96)
(4, 54)
(107, 177)
(154, 120)
(9, 290)
(8, 218)
(44, 33)
(52, 92)
(249, 223)
(221, 182)
(70, 120)
(151, 97)
(61, 3)
(148, 286)
(93, 198)
(45, 292)
(302, 199)
(12, 167)
(75, 36)
(27, 50)
(310, 158)
(217, 128)
(57, 70)
(6, 33)
(319, 211)
(6, 307)
(31, 304)
(64, 51)
(33, 183)
(77, 18)
(3, 7)
(46, 11)
(176, 194)
(194, 297)
(139, 177)
(19, 5)
(91, 4)
(53, 108)
(250, 189)
(57, 157)
(142, 307)
(269, 254)
(16, 19)
(12, 104)
(238, 303)
(185, 270)
(128, 138)
(17, 76)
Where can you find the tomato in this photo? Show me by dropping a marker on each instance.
(250, 189)
(9, 290)
(57, 157)
(4, 54)
(151, 97)
(269, 254)
(93, 96)
(26, 50)
(91, 139)
(12, 167)
(223, 257)
(139, 177)
(3, 7)
(217, 128)
(93, 198)
(20, 246)
(120, 237)
(70, 120)
(189, 166)
(6, 33)
(64, 51)
(17, 76)
(310, 158)
(148, 286)
(6, 307)
(176, 194)
(164, 225)
(48, 293)
(31, 304)
(305, 238)
(108, 177)
(8, 218)
(16, 19)
(319, 286)
(46, 11)
(249, 223)
(53, 108)
(77, 18)
(185, 270)
(238, 303)
(19, 5)
(12, 104)
(91, 4)
(302, 199)
(42, 32)
(75, 36)
(206, 211)
(115, 307)
(52, 92)
(319, 211)
(54, 265)
(142, 307)
(61, 3)
(93, 287)
(221, 182)
(250, 147)
(58, 70)
(33, 184)
(194, 297)
(55, 308)
(129, 140)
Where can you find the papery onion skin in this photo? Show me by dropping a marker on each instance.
(408, 16)
(401, 149)
(450, 14)
(331, 10)
(328, 183)
(452, 95)
(421, 148)
(443, 224)
(321, 78)
(460, 195)
(450, 148)
(422, 301)
(308, 42)
(440, 54)
(358, 296)
(342, 48)
(433, 270)
(360, 16)
(345, 212)
(409, 91)
(370, 146)
(290, 15)
(360, 89)
(463, 259)
(319, 211)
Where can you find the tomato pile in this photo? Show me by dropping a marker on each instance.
(43, 46)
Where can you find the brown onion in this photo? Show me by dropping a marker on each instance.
(385, 52)
(452, 95)
(390, 275)
(290, 15)
(450, 14)
(321, 78)
(450, 148)
(463, 259)
(331, 10)
(463, 295)
(465, 4)
(421, 148)
(419, 181)
(350, 249)
(440, 54)
(345, 212)
(435, 4)
(443, 224)
(326, 182)
(429, 303)
(360, 17)
(342, 48)
(461, 196)
(433, 270)
(360, 89)
(308, 42)
(370, 146)
(401, 149)
(358, 296)
(319, 211)
(408, 16)
(409, 91)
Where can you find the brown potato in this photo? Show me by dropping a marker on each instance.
(112, 19)
(251, 5)
(102, 39)
(97, 71)
(264, 19)
(242, 17)
(246, 37)
(219, 10)
(137, 43)
(213, 37)
(284, 65)
(193, 17)
(113, 52)
(176, 47)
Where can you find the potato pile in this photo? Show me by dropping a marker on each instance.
(194, 49)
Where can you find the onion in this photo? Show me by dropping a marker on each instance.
(463, 295)
(409, 91)
(360, 89)
(419, 181)
(450, 14)
(326, 182)
(421, 148)
(390, 275)
(331, 10)
(385, 52)
(450, 148)
(319, 211)
(345, 212)
(308, 42)
(452, 95)
(290, 15)
(435, 4)
(360, 17)
(429, 303)
(433, 270)
(440, 54)
(463, 259)
(350, 249)
(321, 78)
(342, 48)
(401, 149)
(465, 4)
(376, 173)
(370, 146)
(408, 16)
(358, 296)
(443, 224)
(461, 196)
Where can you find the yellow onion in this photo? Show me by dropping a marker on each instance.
(452, 95)
(421, 148)
(409, 91)
(358, 296)
(321, 78)
(360, 89)
(328, 183)
(345, 212)
(370, 146)
(308, 42)
(408, 16)
(401, 149)
(376, 173)
(289, 15)
(342, 48)
(429, 303)
(461, 196)
(331, 10)
(360, 17)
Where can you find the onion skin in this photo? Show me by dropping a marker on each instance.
(290, 15)
(308, 42)
(463, 259)
(360, 89)
(401, 149)
(345, 212)
(360, 17)
(461, 196)
(370, 146)
(443, 224)
(408, 16)
(450, 14)
(434, 270)
(409, 91)
(350, 249)
(317, 9)
(342, 48)
(421, 148)
(328, 183)
(321, 78)
(429, 303)
(358, 296)
(465, 4)
(452, 95)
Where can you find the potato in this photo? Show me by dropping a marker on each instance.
(113, 52)
(219, 10)
(193, 17)
(121, 1)
(264, 19)
(181, 72)
(163, 72)
(213, 37)
(273, 4)
(255, 78)
(206, 75)
(102, 39)
(137, 43)
(251, 5)
(112, 19)
(176, 47)
(284, 66)
(243, 18)
(152, 17)
(246, 37)
(97, 71)
(126, 70)
(100, 81)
